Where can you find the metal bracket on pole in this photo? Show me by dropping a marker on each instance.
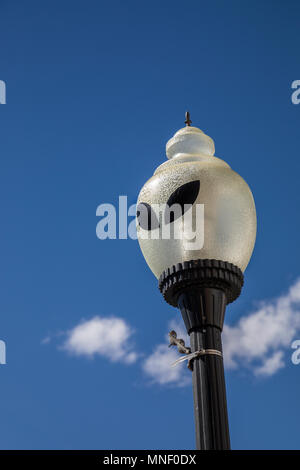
(189, 356)
(192, 356)
(174, 341)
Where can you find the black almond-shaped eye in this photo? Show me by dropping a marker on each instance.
(146, 217)
(185, 194)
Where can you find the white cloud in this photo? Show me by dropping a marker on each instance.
(259, 340)
(158, 365)
(46, 340)
(271, 364)
(106, 336)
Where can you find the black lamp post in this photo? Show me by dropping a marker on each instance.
(199, 275)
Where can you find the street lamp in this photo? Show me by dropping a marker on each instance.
(199, 264)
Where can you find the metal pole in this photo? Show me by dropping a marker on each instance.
(210, 406)
(203, 310)
(201, 289)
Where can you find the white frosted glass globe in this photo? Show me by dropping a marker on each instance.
(194, 173)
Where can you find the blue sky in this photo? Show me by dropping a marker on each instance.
(94, 91)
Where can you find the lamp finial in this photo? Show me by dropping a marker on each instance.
(187, 121)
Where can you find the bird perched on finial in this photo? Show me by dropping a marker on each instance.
(187, 121)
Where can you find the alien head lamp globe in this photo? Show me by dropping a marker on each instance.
(215, 216)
